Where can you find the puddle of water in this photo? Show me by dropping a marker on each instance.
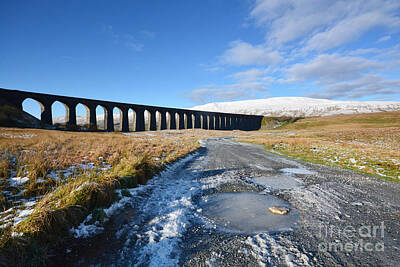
(278, 182)
(247, 212)
(298, 171)
(261, 167)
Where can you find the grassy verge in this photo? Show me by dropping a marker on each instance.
(368, 143)
(58, 178)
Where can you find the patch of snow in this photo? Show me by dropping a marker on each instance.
(30, 203)
(17, 181)
(22, 215)
(202, 143)
(269, 251)
(106, 166)
(23, 136)
(40, 180)
(6, 218)
(83, 185)
(16, 234)
(53, 175)
(85, 166)
(353, 160)
(169, 203)
(25, 213)
(6, 211)
(85, 231)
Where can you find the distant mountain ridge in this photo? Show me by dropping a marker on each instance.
(299, 107)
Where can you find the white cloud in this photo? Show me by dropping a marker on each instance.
(384, 38)
(331, 68)
(261, 76)
(230, 92)
(323, 24)
(350, 29)
(214, 69)
(288, 20)
(251, 74)
(298, 34)
(125, 39)
(208, 95)
(362, 51)
(148, 34)
(367, 85)
(242, 53)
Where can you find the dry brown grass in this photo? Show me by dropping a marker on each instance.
(352, 121)
(36, 153)
(65, 202)
(368, 143)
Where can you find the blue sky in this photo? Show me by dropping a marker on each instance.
(187, 52)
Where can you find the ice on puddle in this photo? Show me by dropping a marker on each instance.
(277, 182)
(247, 212)
(298, 171)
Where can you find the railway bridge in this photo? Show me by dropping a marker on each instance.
(156, 118)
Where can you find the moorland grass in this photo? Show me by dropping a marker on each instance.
(66, 202)
(367, 143)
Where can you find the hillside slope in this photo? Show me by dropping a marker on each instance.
(13, 117)
(299, 107)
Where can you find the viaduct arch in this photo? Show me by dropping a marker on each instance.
(187, 119)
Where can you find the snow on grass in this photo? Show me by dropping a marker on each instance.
(22, 215)
(30, 203)
(23, 136)
(87, 229)
(6, 211)
(353, 160)
(17, 181)
(83, 185)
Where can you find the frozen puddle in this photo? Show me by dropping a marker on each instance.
(247, 212)
(278, 182)
(298, 171)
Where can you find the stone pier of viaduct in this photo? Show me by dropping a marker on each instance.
(158, 118)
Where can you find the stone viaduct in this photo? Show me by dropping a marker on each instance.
(158, 118)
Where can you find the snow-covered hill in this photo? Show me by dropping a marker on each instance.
(299, 107)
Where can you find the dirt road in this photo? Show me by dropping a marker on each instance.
(212, 209)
